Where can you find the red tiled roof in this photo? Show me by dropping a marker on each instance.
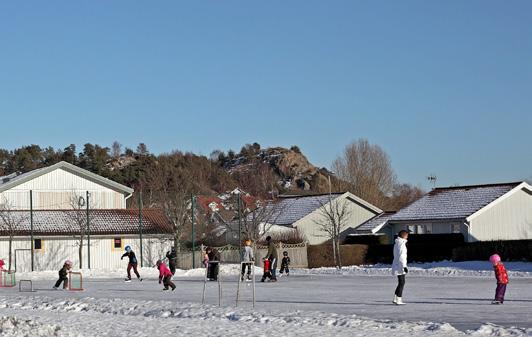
(205, 201)
(102, 222)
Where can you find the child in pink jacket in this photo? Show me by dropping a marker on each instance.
(165, 276)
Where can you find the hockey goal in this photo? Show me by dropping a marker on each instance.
(7, 279)
(75, 281)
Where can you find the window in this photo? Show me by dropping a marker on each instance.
(117, 244)
(456, 228)
(37, 244)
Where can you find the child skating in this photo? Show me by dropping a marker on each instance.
(285, 263)
(247, 258)
(502, 278)
(63, 275)
(399, 266)
(267, 272)
(132, 263)
(165, 276)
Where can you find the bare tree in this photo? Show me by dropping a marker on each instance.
(116, 150)
(11, 222)
(333, 218)
(258, 222)
(367, 170)
(78, 216)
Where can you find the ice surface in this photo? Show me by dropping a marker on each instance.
(444, 299)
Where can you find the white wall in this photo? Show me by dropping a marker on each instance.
(103, 256)
(54, 190)
(311, 230)
(509, 219)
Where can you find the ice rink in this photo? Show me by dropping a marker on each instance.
(463, 302)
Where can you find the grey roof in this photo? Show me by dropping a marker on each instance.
(288, 210)
(102, 222)
(12, 180)
(376, 221)
(452, 202)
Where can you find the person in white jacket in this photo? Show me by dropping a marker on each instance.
(247, 259)
(399, 266)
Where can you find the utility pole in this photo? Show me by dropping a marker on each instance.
(140, 228)
(31, 231)
(239, 222)
(88, 235)
(193, 206)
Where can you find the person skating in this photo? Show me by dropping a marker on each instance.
(399, 265)
(273, 257)
(267, 274)
(213, 265)
(247, 258)
(133, 263)
(172, 260)
(285, 263)
(502, 278)
(63, 275)
(165, 276)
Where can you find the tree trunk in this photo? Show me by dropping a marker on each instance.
(334, 253)
(339, 253)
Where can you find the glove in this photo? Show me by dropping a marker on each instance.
(121, 258)
(406, 270)
(160, 281)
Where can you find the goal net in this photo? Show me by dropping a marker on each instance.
(75, 281)
(7, 278)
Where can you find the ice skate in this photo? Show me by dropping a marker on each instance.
(399, 301)
(496, 302)
(127, 280)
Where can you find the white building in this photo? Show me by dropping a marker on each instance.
(305, 213)
(479, 212)
(59, 202)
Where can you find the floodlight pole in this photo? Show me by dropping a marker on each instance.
(88, 233)
(31, 231)
(193, 202)
(140, 228)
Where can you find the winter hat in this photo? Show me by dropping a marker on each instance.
(495, 258)
(158, 263)
(68, 263)
(268, 238)
(285, 253)
(128, 248)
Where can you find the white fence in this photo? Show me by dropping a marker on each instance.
(231, 254)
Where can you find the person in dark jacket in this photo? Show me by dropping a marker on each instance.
(132, 263)
(273, 257)
(285, 263)
(214, 263)
(172, 260)
(63, 275)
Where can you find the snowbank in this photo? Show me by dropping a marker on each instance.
(86, 317)
(438, 269)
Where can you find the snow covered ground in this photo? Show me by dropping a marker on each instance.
(444, 299)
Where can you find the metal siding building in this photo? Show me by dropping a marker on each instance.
(52, 190)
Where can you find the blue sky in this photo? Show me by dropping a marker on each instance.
(444, 87)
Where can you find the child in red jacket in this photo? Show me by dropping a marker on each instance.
(502, 278)
(165, 276)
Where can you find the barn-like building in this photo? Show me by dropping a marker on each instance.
(55, 205)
